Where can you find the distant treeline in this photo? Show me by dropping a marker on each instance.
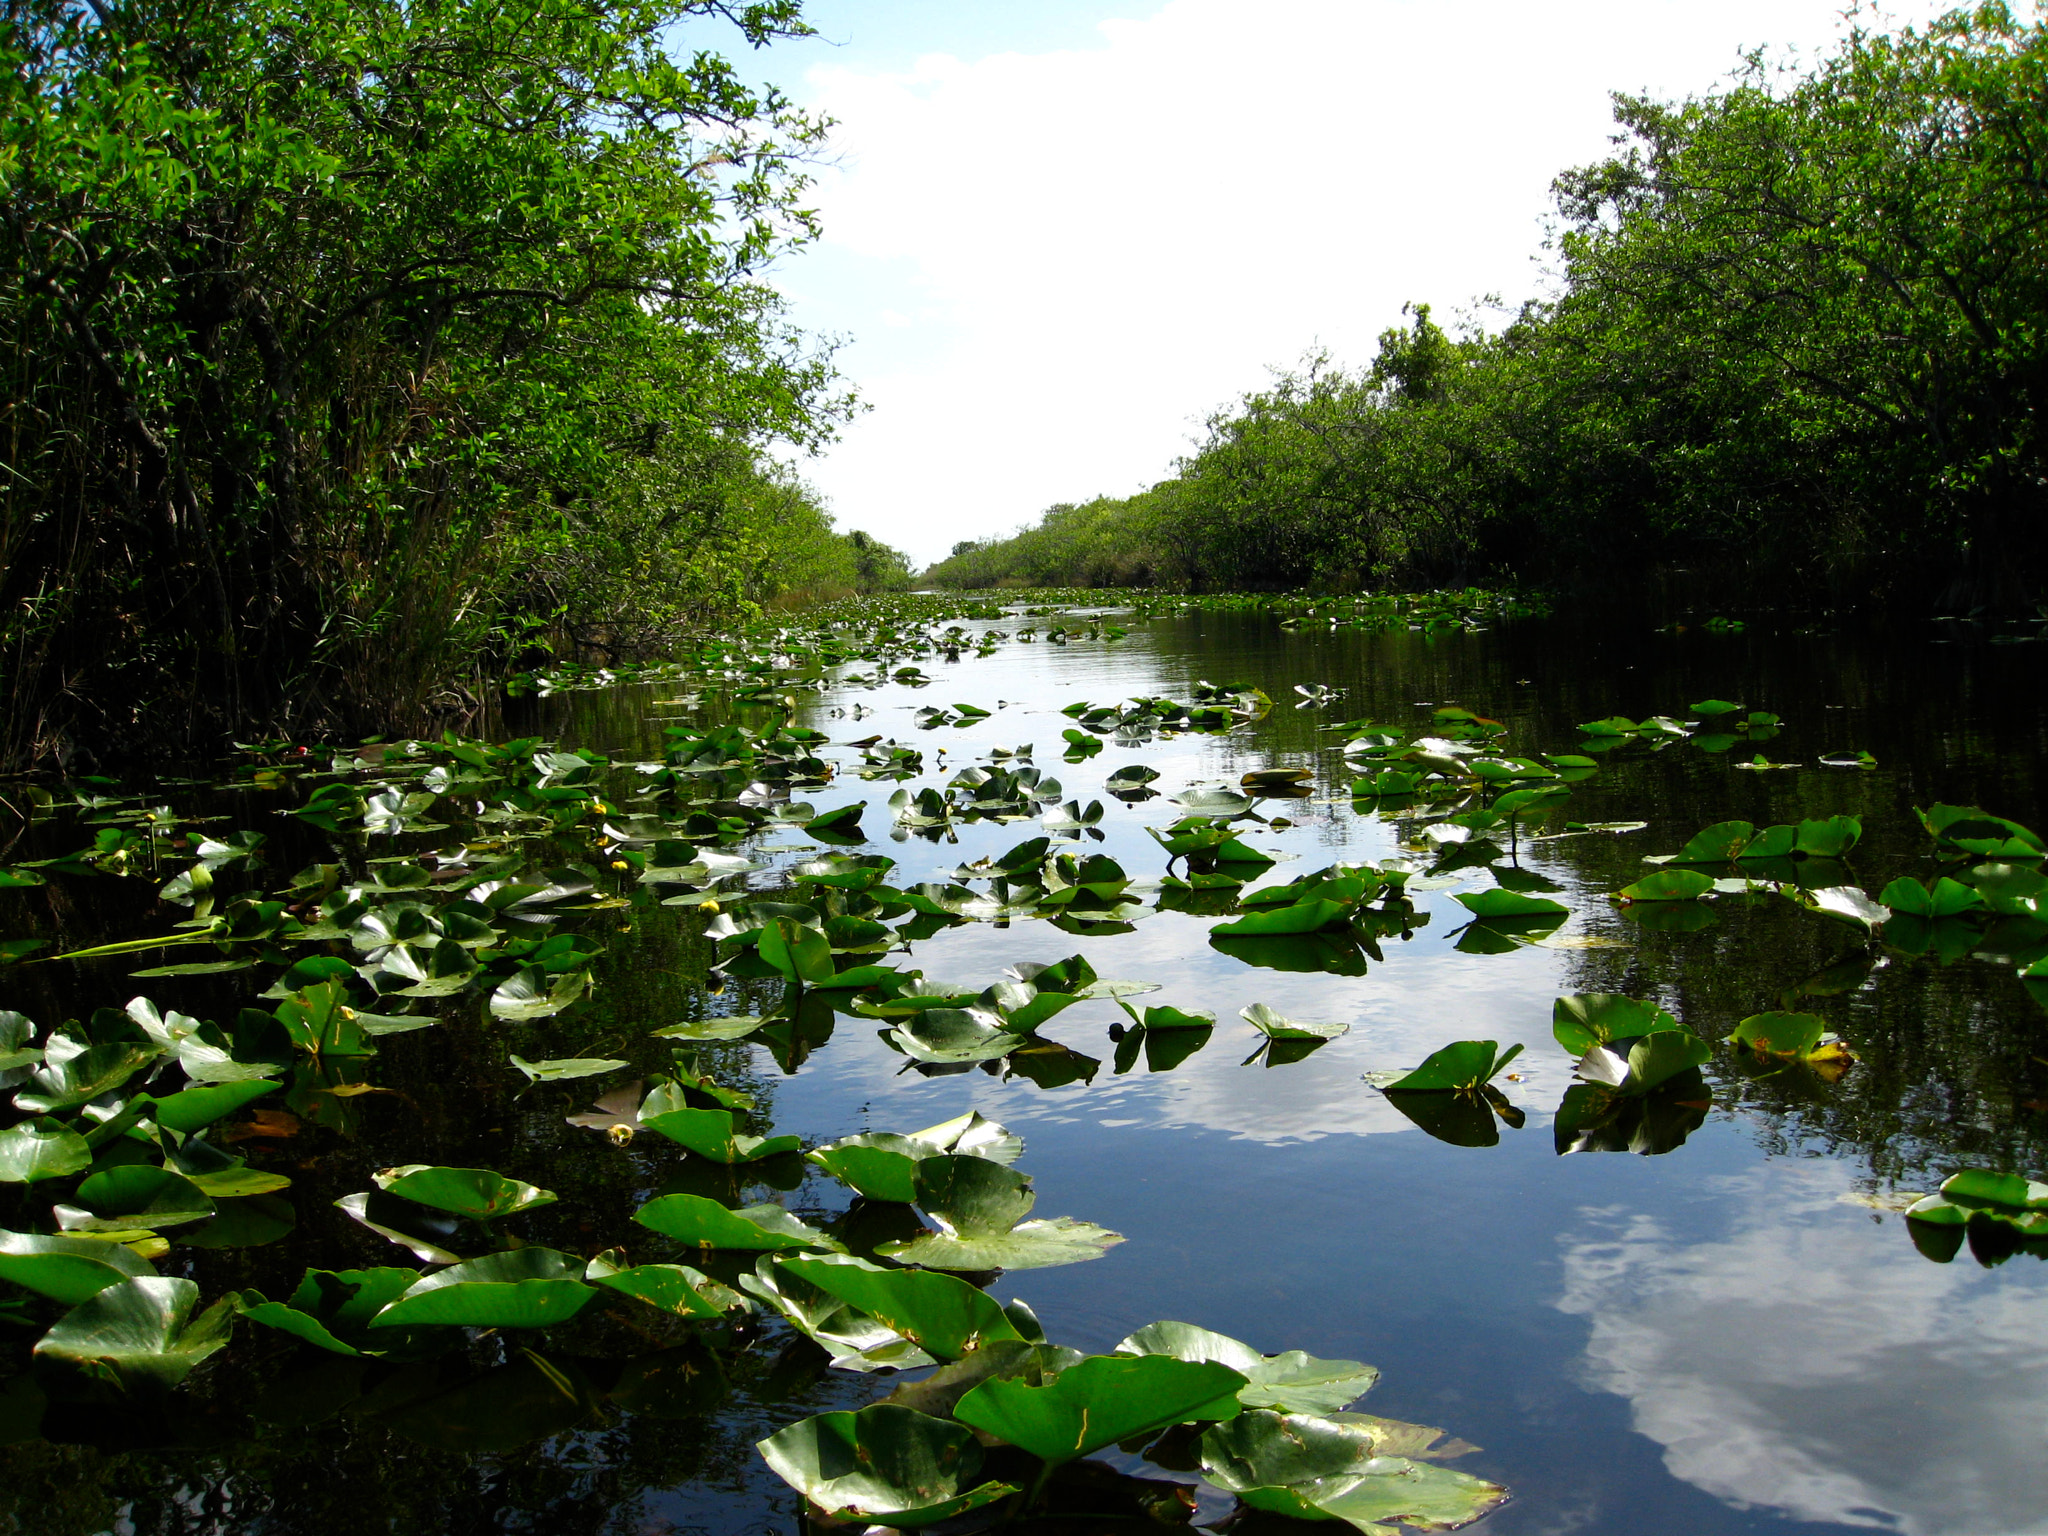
(1800, 343)
(358, 348)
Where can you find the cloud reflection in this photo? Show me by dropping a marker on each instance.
(1810, 1362)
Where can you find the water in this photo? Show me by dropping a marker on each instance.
(1732, 1336)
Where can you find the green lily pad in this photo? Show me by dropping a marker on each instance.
(884, 1465)
(522, 1288)
(980, 1207)
(134, 1337)
(1262, 1456)
(1103, 1399)
(1392, 1489)
(1302, 917)
(716, 1134)
(535, 994)
(1647, 1061)
(735, 1027)
(1669, 885)
(954, 1036)
(425, 1231)
(1587, 1019)
(1828, 839)
(73, 1073)
(138, 1195)
(41, 1149)
(320, 1022)
(1845, 903)
(193, 1109)
(800, 953)
(67, 1269)
(564, 1069)
(477, 1193)
(672, 1288)
(1975, 831)
(939, 1313)
(1461, 1066)
(1497, 904)
(1949, 898)
(707, 1224)
(1797, 1035)
(883, 1166)
(1294, 1382)
(1717, 844)
(331, 1309)
(1277, 1026)
(245, 1221)
(880, 1165)
(855, 1341)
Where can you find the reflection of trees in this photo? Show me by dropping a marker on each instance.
(1946, 1055)
(344, 1473)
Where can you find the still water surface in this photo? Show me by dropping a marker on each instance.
(1732, 1336)
(1722, 1338)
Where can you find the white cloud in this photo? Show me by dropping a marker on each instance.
(1811, 1362)
(1098, 246)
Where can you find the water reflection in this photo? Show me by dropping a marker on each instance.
(1796, 1364)
(1783, 1352)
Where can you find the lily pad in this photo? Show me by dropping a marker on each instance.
(1277, 1026)
(67, 1269)
(1262, 1456)
(673, 1288)
(705, 1223)
(945, 1036)
(331, 1309)
(137, 1195)
(1462, 1066)
(535, 994)
(1647, 1061)
(41, 1149)
(939, 1313)
(477, 1193)
(1103, 1399)
(136, 1336)
(426, 1232)
(1295, 1381)
(1302, 917)
(521, 1288)
(1797, 1035)
(1949, 898)
(564, 1069)
(1587, 1019)
(1498, 905)
(883, 1166)
(980, 1208)
(884, 1465)
(1669, 885)
(856, 1341)
(1392, 1489)
(716, 1134)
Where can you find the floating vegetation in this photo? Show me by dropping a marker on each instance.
(471, 892)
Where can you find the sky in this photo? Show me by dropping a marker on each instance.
(1059, 234)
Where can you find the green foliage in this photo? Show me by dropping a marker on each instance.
(356, 346)
(1796, 345)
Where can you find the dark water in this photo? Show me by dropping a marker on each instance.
(1736, 1335)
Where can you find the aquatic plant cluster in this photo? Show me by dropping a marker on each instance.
(143, 1140)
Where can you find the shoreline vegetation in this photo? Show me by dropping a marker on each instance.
(366, 355)
(362, 353)
(1793, 348)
